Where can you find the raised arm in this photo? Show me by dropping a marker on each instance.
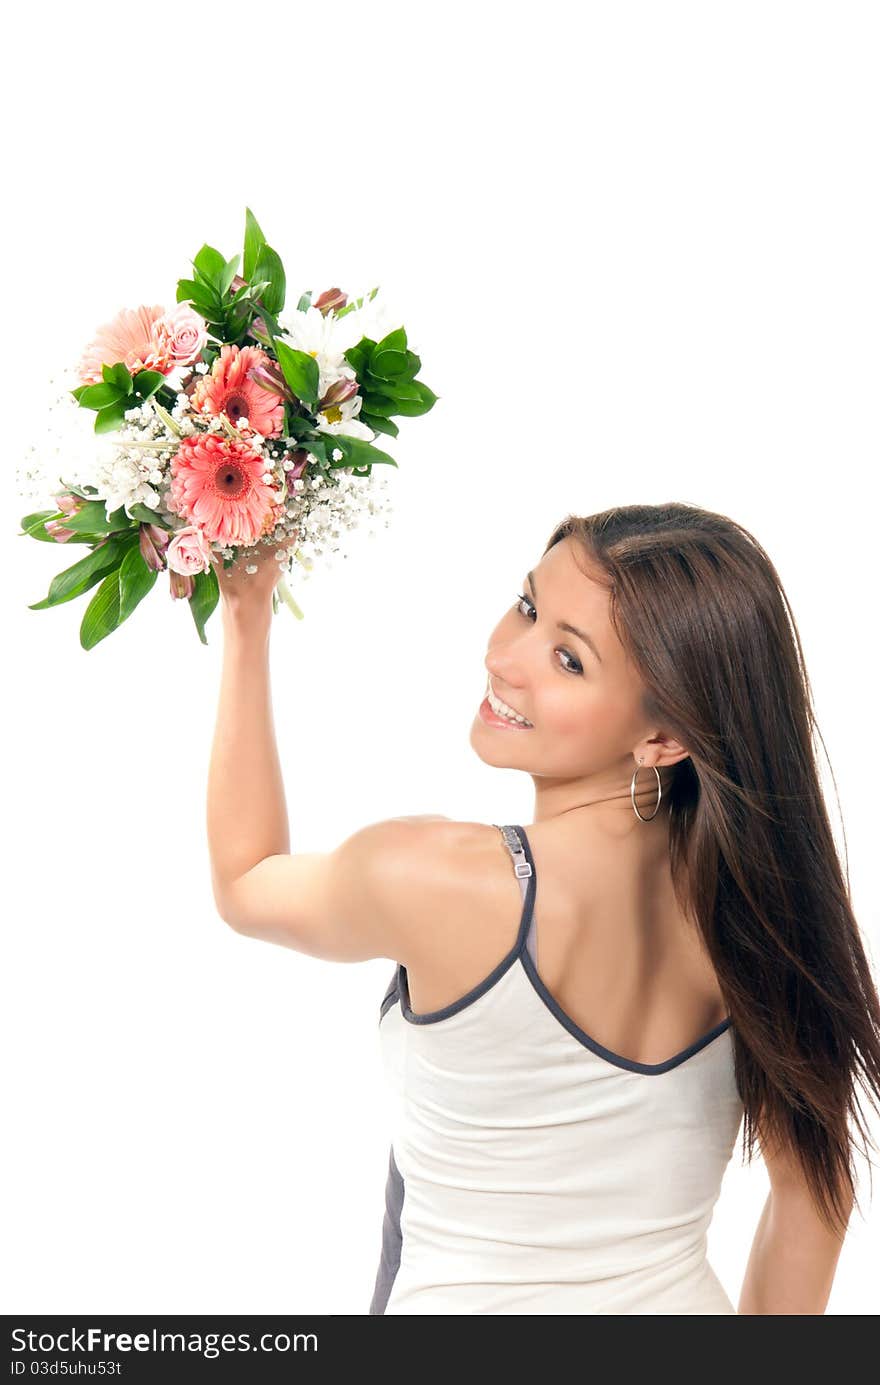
(364, 899)
(246, 808)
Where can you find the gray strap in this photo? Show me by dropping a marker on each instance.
(523, 870)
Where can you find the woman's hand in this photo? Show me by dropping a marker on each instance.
(247, 596)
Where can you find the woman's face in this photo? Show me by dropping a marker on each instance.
(584, 704)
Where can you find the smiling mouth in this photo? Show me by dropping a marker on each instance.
(497, 715)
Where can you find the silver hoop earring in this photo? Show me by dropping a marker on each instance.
(632, 791)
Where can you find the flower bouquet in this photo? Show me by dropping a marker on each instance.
(226, 426)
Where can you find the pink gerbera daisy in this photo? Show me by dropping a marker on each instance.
(128, 338)
(229, 388)
(217, 483)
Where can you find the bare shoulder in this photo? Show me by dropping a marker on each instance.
(385, 891)
(440, 882)
(423, 817)
(436, 860)
(458, 911)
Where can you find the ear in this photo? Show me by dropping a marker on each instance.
(662, 751)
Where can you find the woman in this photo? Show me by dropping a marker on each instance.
(584, 1013)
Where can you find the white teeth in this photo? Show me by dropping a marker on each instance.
(501, 709)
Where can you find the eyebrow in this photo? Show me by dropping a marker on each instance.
(563, 625)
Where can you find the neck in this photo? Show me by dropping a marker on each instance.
(619, 860)
(602, 806)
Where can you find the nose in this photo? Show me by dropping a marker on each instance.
(504, 673)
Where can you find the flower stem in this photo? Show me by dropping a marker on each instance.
(164, 446)
(285, 594)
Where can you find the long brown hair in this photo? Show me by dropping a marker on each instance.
(699, 607)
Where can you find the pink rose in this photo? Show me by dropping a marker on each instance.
(181, 334)
(189, 551)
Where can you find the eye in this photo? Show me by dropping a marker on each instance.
(520, 599)
(574, 666)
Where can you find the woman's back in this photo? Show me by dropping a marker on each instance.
(612, 944)
(532, 1168)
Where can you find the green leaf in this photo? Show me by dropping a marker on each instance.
(146, 382)
(239, 294)
(404, 389)
(118, 375)
(102, 613)
(36, 528)
(254, 240)
(188, 291)
(357, 357)
(391, 389)
(297, 427)
(188, 288)
(33, 525)
(394, 341)
(135, 580)
(300, 370)
(215, 317)
(381, 404)
(317, 446)
(75, 539)
(228, 274)
(305, 302)
(145, 515)
(97, 396)
(269, 267)
(120, 521)
(258, 287)
(91, 518)
(237, 326)
(411, 368)
(73, 581)
(388, 365)
(358, 452)
(210, 264)
(111, 417)
(271, 324)
(378, 424)
(410, 409)
(206, 593)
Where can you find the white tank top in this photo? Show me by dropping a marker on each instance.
(531, 1169)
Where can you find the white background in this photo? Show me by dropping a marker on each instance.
(636, 246)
